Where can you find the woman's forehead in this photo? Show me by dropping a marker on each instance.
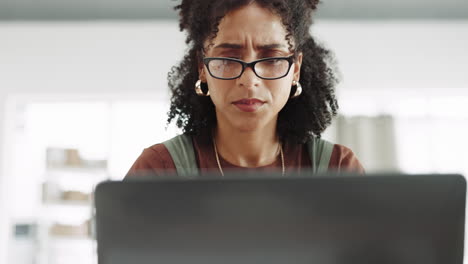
(250, 25)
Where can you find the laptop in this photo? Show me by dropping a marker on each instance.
(269, 219)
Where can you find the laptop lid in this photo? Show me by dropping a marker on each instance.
(326, 219)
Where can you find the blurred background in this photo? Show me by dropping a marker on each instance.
(83, 90)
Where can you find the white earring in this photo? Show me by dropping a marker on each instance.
(198, 89)
(298, 89)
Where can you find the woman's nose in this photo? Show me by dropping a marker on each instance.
(248, 78)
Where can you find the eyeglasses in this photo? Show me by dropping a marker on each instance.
(267, 68)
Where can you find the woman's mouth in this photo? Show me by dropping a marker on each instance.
(248, 105)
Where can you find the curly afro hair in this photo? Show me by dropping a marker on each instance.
(302, 117)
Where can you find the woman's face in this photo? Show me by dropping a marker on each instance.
(249, 102)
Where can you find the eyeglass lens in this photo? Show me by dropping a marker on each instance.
(273, 68)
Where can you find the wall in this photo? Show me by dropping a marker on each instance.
(378, 60)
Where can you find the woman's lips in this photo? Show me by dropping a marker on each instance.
(248, 105)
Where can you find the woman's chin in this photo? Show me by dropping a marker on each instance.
(247, 123)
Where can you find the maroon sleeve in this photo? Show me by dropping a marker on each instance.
(344, 159)
(155, 160)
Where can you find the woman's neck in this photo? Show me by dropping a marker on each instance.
(247, 148)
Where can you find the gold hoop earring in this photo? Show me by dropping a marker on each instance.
(198, 89)
(298, 89)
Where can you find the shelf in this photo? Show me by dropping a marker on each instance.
(66, 219)
(77, 172)
(71, 239)
(65, 214)
(60, 204)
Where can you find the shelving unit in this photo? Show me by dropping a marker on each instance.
(65, 225)
(69, 143)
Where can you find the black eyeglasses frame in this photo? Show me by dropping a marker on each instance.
(244, 64)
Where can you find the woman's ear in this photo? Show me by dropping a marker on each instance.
(297, 66)
(201, 73)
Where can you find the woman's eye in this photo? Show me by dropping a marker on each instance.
(274, 61)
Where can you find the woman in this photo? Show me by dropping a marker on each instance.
(253, 92)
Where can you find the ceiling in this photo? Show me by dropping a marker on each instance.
(163, 9)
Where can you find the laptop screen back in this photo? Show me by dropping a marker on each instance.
(325, 219)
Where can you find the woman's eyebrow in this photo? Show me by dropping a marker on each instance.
(271, 46)
(228, 46)
(238, 46)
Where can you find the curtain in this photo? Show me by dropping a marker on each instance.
(371, 138)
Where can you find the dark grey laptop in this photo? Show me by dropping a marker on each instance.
(324, 219)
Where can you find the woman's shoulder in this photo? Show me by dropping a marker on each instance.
(341, 158)
(155, 160)
(344, 159)
(158, 159)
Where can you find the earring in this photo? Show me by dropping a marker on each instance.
(298, 89)
(198, 89)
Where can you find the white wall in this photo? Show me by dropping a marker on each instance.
(87, 57)
(409, 55)
(111, 57)
(3, 188)
(380, 60)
